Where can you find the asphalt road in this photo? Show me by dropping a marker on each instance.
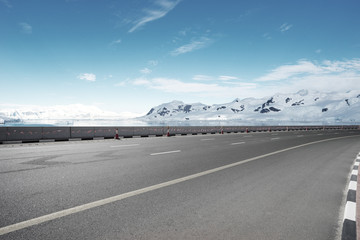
(278, 185)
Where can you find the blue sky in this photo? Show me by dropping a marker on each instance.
(128, 56)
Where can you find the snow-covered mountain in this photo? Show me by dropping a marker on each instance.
(301, 107)
(60, 112)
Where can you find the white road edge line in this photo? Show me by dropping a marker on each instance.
(237, 143)
(80, 208)
(352, 185)
(161, 153)
(350, 211)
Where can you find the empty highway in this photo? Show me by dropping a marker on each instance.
(273, 185)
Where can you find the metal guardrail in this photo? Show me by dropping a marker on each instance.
(36, 134)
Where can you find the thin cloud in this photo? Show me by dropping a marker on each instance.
(163, 7)
(307, 68)
(153, 63)
(195, 44)
(204, 89)
(87, 76)
(141, 82)
(286, 71)
(25, 28)
(212, 78)
(228, 78)
(120, 84)
(267, 36)
(203, 78)
(285, 27)
(6, 3)
(145, 71)
(325, 76)
(175, 86)
(115, 42)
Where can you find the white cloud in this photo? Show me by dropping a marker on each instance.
(307, 68)
(325, 76)
(202, 78)
(87, 76)
(318, 51)
(192, 46)
(145, 71)
(162, 8)
(200, 89)
(25, 28)
(211, 78)
(286, 71)
(285, 27)
(228, 78)
(141, 82)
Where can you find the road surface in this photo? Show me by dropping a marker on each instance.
(277, 185)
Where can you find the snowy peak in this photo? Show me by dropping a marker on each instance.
(301, 106)
(174, 108)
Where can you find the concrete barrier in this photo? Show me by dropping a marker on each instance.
(82, 132)
(24, 133)
(33, 134)
(126, 131)
(56, 133)
(157, 131)
(3, 133)
(105, 132)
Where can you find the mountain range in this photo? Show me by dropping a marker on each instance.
(301, 107)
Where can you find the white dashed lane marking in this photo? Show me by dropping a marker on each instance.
(237, 143)
(161, 153)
